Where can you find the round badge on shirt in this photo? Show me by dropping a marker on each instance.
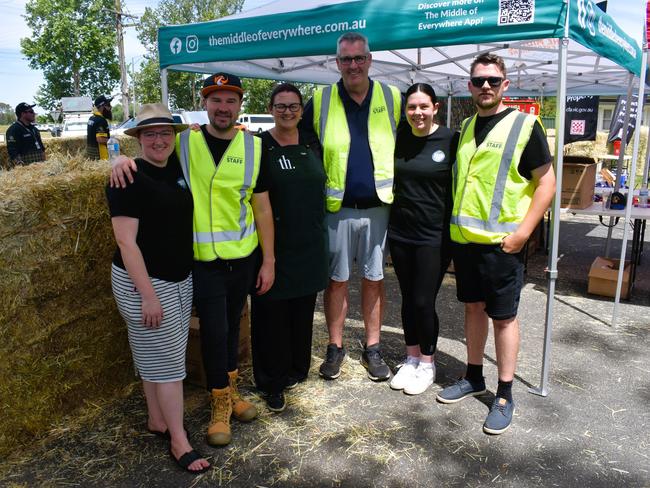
(438, 156)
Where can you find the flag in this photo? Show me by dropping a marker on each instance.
(618, 119)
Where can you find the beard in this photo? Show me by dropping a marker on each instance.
(107, 113)
(487, 103)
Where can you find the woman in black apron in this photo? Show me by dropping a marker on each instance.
(282, 319)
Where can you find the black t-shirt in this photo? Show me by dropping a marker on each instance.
(218, 147)
(24, 144)
(422, 187)
(297, 194)
(535, 154)
(161, 201)
(97, 125)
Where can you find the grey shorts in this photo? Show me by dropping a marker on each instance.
(357, 235)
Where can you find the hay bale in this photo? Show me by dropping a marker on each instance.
(71, 147)
(62, 341)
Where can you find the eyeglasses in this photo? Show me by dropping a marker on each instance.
(151, 135)
(347, 60)
(479, 81)
(282, 107)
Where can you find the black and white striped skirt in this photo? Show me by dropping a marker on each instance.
(158, 354)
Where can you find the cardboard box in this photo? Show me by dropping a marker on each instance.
(578, 182)
(194, 359)
(603, 275)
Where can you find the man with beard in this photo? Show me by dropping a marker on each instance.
(503, 184)
(98, 133)
(24, 143)
(232, 213)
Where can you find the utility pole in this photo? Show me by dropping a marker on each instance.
(133, 80)
(119, 26)
(120, 50)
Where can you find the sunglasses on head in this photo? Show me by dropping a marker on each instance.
(479, 81)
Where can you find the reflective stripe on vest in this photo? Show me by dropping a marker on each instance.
(335, 139)
(491, 226)
(238, 167)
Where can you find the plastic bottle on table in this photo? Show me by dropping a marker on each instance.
(643, 198)
(113, 146)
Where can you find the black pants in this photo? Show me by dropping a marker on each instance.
(281, 332)
(220, 291)
(420, 270)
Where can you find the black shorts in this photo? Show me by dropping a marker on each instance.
(485, 273)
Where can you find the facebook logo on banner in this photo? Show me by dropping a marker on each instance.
(175, 45)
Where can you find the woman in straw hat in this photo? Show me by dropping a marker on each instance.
(151, 275)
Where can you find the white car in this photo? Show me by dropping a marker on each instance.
(119, 130)
(75, 125)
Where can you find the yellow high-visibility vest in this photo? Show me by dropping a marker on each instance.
(491, 198)
(224, 226)
(331, 125)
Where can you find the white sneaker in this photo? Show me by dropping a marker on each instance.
(405, 373)
(422, 380)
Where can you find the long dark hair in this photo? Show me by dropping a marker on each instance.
(285, 87)
(424, 88)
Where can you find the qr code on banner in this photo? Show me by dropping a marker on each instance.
(512, 12)
(577, 128)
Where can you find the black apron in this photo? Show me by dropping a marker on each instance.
(297, 195)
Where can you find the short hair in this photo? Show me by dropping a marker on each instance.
(282, 88)
(352, 37)
(424, 88)
(489, 58)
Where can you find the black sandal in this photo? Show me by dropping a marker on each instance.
(188, 458)
(166, 435)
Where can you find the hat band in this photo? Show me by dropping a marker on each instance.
(156, 120)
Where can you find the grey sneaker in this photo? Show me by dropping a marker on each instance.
(371, 359)
(460, 390)
(500, 416)
(331, 367)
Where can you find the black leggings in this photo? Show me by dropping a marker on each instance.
(419, 270)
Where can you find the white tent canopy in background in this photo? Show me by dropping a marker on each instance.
(551, 47)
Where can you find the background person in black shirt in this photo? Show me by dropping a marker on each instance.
(24, 143)
(98, 132)
(418, 232)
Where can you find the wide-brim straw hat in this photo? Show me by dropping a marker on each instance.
(154, 115)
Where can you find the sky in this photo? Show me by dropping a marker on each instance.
(19, 83)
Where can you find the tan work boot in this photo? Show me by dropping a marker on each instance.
(242, 410)
(219, 427)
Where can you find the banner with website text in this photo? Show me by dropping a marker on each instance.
(596, 30)
(388, 24)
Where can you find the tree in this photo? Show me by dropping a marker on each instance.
(73, 42)
(184, 88)
(7, 114)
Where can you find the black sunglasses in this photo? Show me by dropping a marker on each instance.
(479, 81)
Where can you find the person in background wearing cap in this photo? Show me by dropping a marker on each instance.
(232, 211)
(151, 275)
(24, 143)
(356, 120)
(98, 133)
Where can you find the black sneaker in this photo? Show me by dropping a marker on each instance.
(371, 359)
(331, 367)
(275, 401)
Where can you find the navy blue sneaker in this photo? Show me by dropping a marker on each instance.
(460, 390)
(500, 416)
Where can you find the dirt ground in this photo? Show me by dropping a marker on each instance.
(591, 430)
